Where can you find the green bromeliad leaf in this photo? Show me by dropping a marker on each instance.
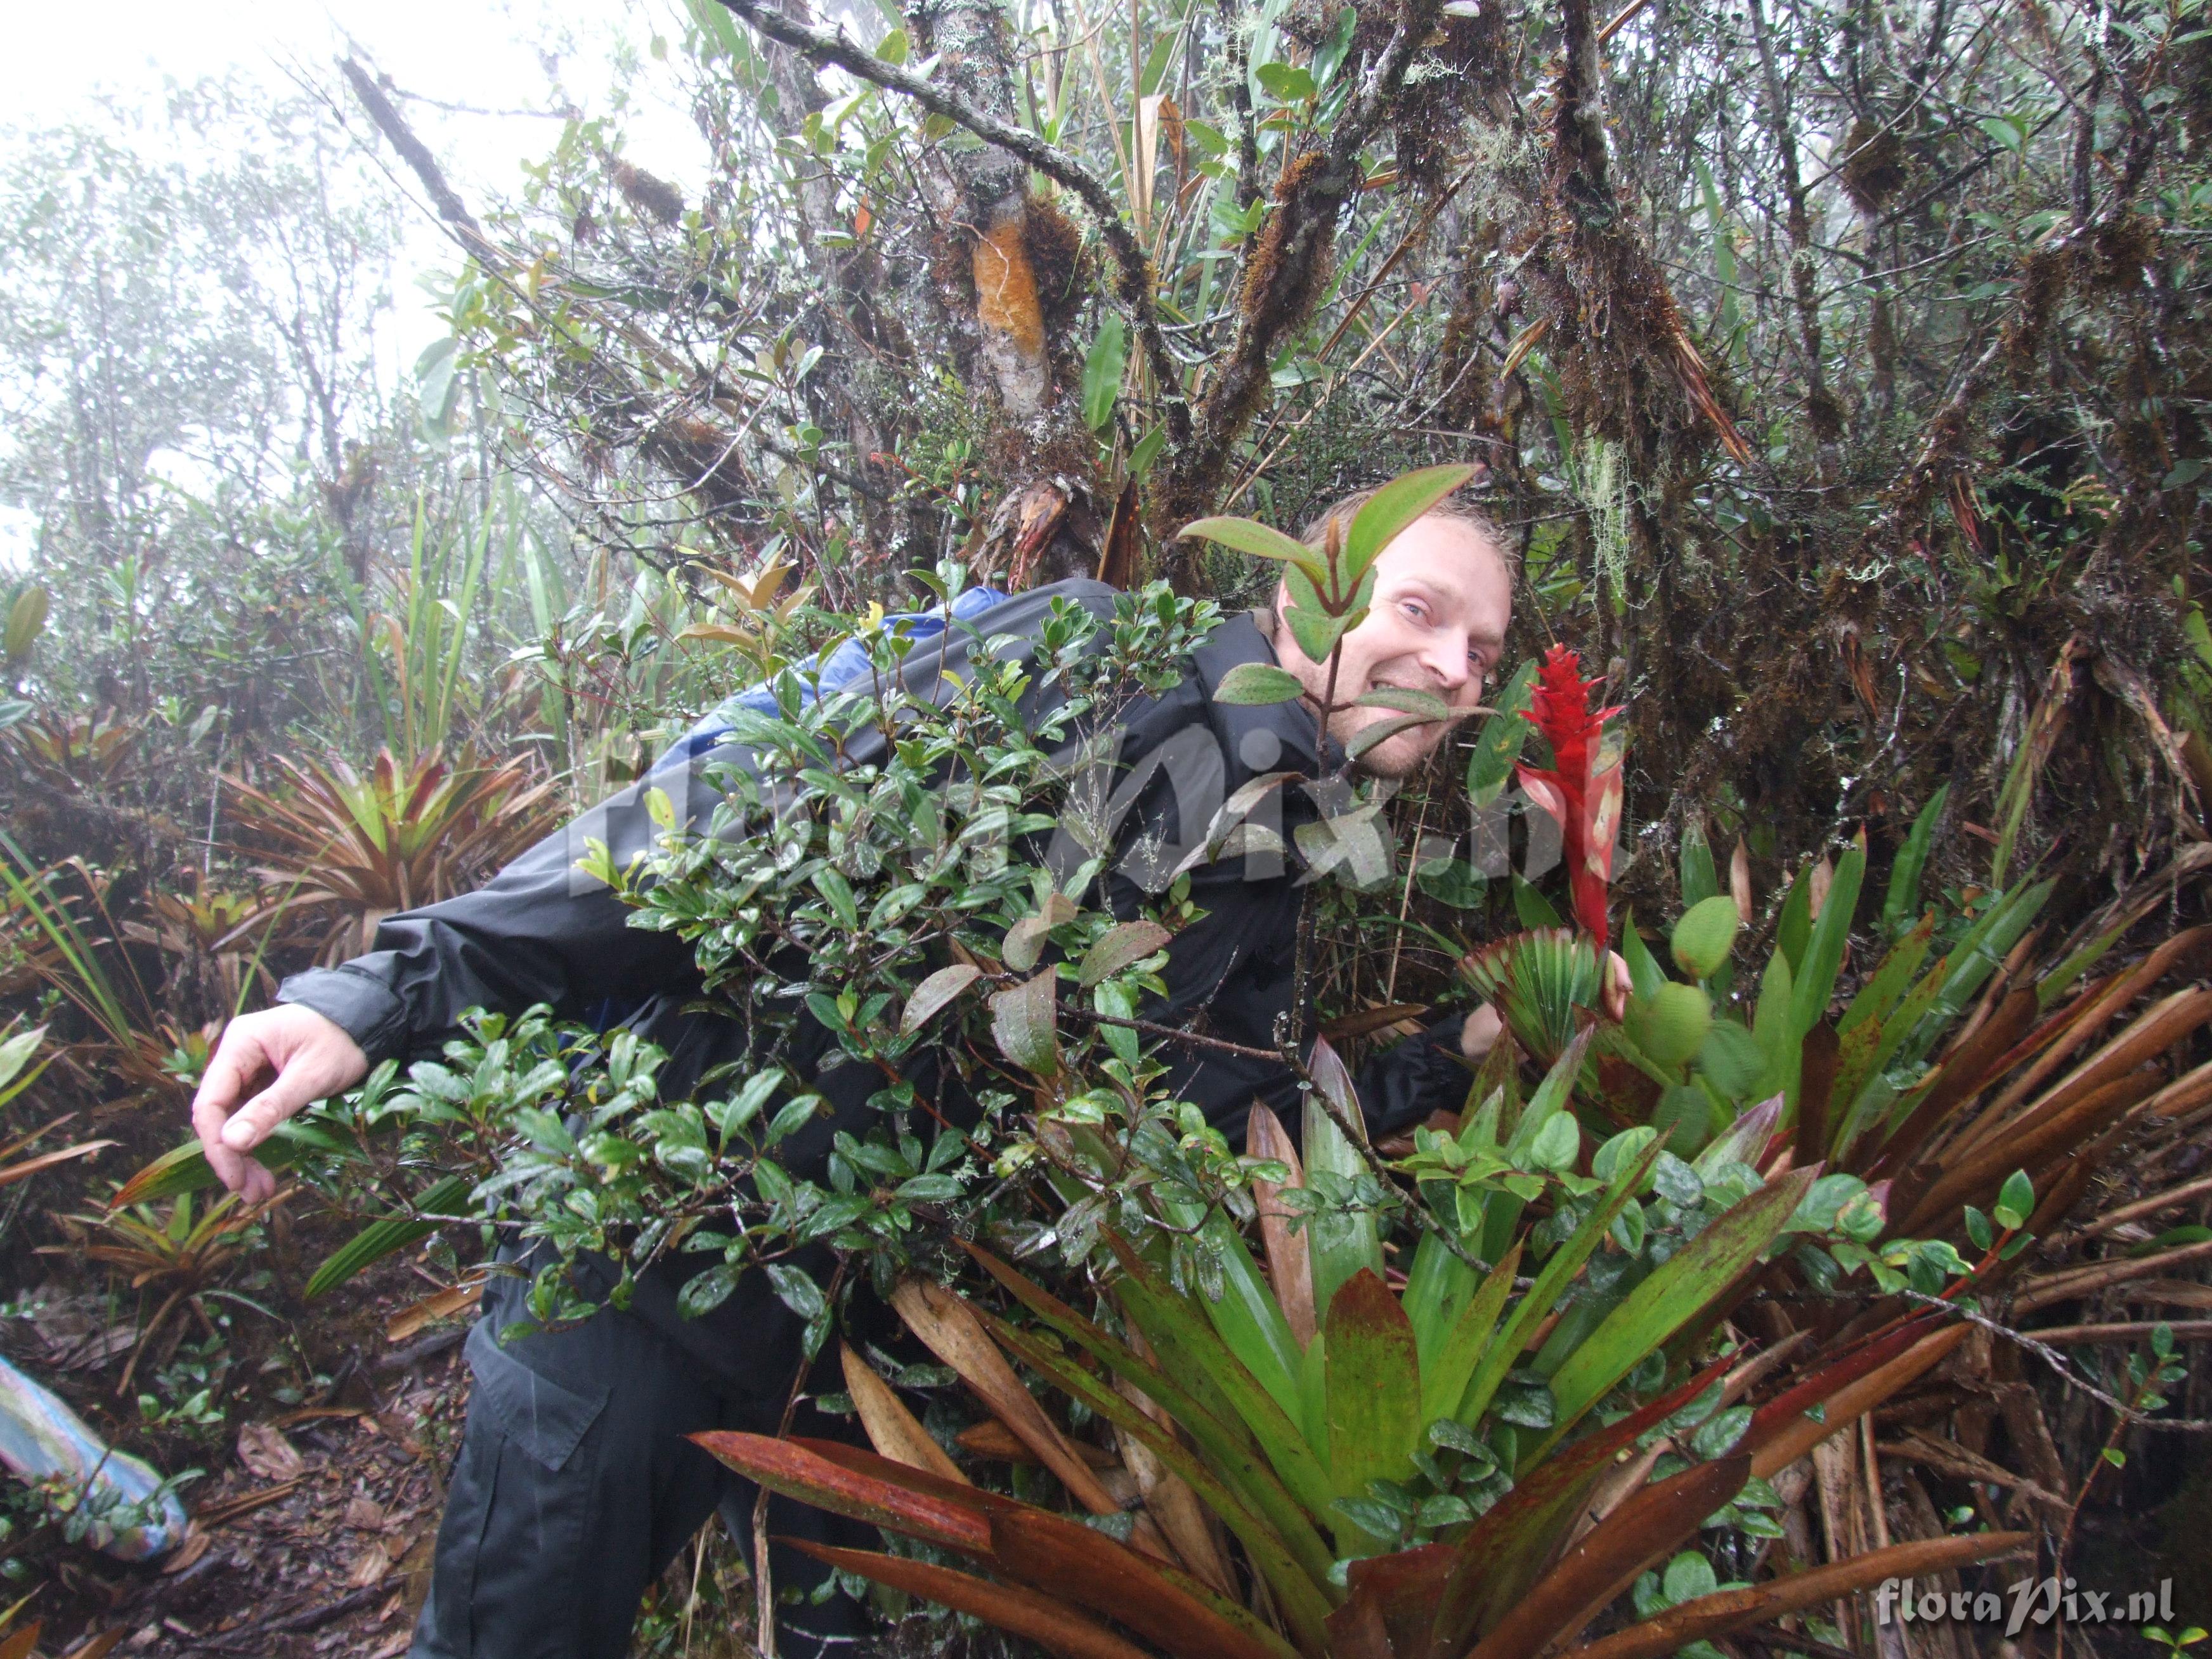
(1374, 1387)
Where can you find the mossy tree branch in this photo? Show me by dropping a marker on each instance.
(1133, 286)
(1287, 268)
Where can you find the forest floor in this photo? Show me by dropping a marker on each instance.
(313, 1525)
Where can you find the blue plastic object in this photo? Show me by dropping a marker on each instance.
(133, 1517)
(830, 674)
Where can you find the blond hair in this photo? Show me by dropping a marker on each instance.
(1340, 513)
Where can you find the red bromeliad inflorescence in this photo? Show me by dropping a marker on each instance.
(1583, 789)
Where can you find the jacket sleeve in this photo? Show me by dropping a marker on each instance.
(540, 931)
(1402, 1085)
(543, 931)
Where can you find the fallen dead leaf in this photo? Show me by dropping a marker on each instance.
(265, 1451)
(446, 1304)
(398, 1645)
(370, 1567)
(197, 1543)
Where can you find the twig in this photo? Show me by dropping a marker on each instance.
(2184, 1330)
(415, 1352)
(1135, 288)
(412, 151)
(238, 1641)
(1173, 1033)
(225, 1510)
(2050, 1356)
(2141, 1206)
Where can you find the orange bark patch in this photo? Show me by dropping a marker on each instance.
(1005, 288)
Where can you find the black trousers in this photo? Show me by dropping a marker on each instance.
(575, 1487)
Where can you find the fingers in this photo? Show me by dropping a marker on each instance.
(295, 1086)
(1478, 1033)
(1617, 985)
(239, 1059)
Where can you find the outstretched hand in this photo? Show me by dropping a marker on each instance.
(292, 1055)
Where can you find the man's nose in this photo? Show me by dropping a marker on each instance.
(1446, 660)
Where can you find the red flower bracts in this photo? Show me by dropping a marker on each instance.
(1582, 790)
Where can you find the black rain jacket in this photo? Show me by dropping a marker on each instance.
(541, 931)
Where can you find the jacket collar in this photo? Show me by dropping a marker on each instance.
(1258, 737)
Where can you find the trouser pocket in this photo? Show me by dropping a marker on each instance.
(514, 1550)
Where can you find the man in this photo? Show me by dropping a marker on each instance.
(575, 1486)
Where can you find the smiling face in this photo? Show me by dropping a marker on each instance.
(1443, 598)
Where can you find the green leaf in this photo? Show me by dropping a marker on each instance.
(1023, 1023)
(1732, 1060)
(1447, 1362)
(1391, 509)
(1340, 1242)
(16, 1054)
(1426, 704)
(1684, 1284)
(1901, 903)
(1670, 1025)
(833, 886)
(1813, 979)
(1558, 1143)
(1498, 744)
(1189, 1343)
(1531, 908)
(1250, 683)
(1700, 879)
(935, 993)
(27, 619)
(1120, 946)
(1147, 451)
(2015, 1201)
(1292, 1557)
(1250, 535)
(1228, 1452)
(382, 1237)
(184, 1168)
(1551, 1282)
(1382, 732)
(1795, 925)
(437, 387)
(1704, 936)
(1645, 975)
(1374, 1387)
(1315, 630)
(1889, 981)
(1103, 367)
